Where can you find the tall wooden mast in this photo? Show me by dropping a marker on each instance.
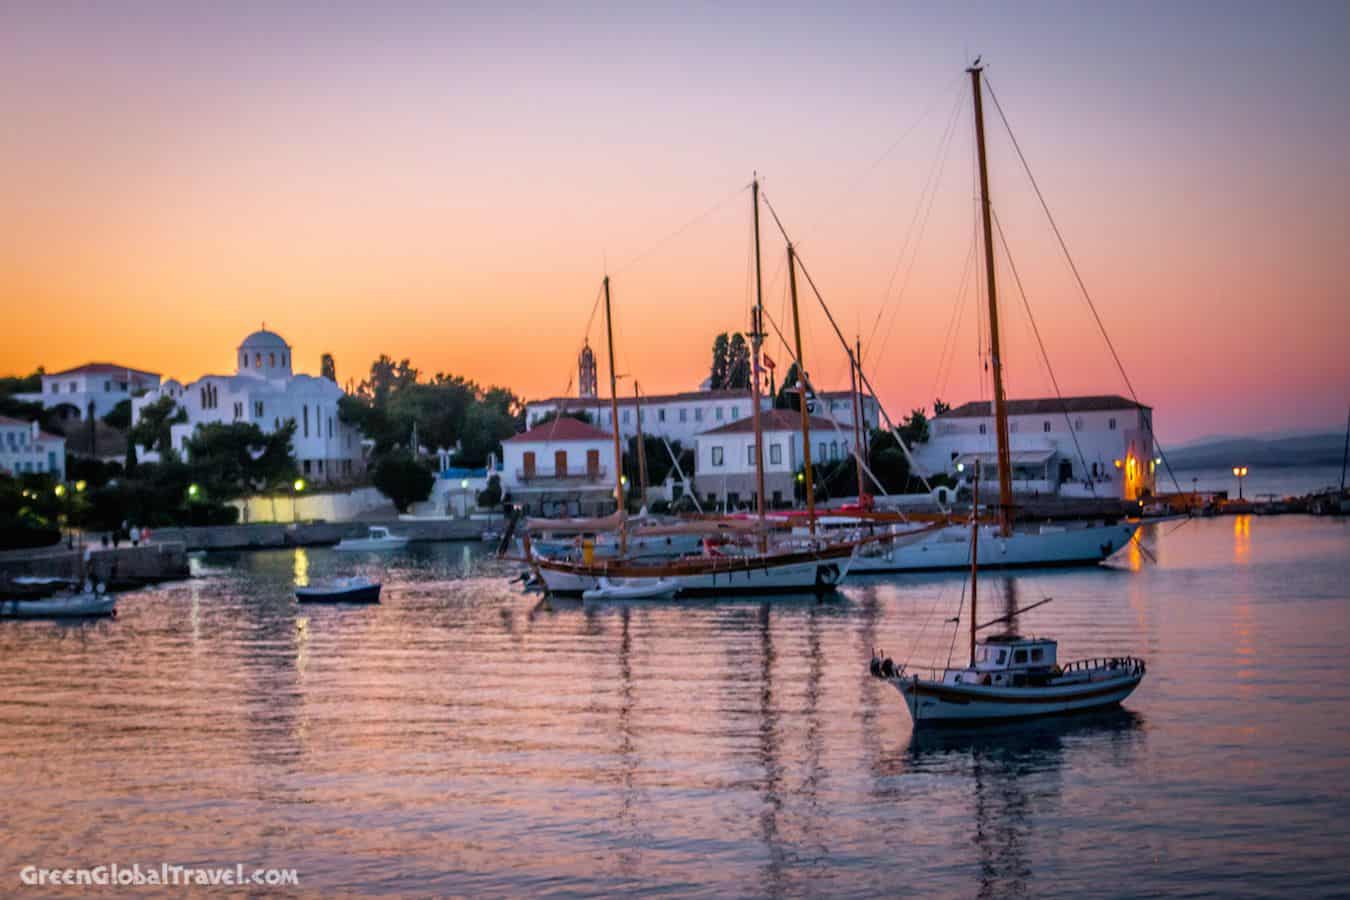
(641, 449)
(802, 382)
(614, 417)
(756, 340)
(974, 558)
(855, 367)
(1000, 404)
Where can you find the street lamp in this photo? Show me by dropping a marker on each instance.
(193, 491)
(1239, 472)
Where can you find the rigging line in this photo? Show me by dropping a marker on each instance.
(633, 260)
(1035, 329)
(954, 323)
(862, 375)
(849, 188)
(1082, 285)
(806, 384)
(930, 192)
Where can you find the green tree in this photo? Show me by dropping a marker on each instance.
(490, 497)
(403, 479)
(328, 368)
(721, 363)
(386, 377)
(152, 428)
(231, 460)
(940, 408)
(914, 428)
(738, 363)
(119, 416)
(788, 396)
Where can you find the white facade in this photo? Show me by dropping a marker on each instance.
(104, 385)
(562, 467)
(724, 463)
(683, 417)
(26, 449)
(264, 392)
(1077, 447)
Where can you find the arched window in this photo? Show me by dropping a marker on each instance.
(272, 360)
(257, 360)
(243, 360)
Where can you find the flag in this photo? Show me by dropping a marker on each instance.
(768, 361)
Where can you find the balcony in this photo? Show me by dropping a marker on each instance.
(538, 475)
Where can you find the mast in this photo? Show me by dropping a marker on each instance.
(802, 383)
(614, 417)
(756, 340)
(855, 363)
(1000, 405)
(641, 449)
(974, 557)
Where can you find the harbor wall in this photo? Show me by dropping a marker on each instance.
(313, 534)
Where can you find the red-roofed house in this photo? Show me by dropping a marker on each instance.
(24, 449)
(725, 461)
(103, 385)
(560, 467)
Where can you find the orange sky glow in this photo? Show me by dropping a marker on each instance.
(451, 187)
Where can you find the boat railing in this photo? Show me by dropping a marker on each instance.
(1130, 664)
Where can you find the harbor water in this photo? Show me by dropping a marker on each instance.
(465, 737)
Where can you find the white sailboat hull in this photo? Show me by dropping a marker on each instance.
(936, 702)
(949, 548)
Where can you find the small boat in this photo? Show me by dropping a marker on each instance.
(631, 589)
(1009, 677)
(344, 590)
(377, 538)
(91, 602)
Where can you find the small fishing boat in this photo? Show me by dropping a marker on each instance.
(344, 590)
(377, 538)
(1009, 677)
(92, 601)
(631, 589)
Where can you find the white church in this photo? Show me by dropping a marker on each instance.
(265, 392)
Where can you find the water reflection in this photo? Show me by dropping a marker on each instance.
(1242, 539)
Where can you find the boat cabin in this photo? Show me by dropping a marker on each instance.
(377, 533)
(1008, 659)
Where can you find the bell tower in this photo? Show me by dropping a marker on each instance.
(586, 374)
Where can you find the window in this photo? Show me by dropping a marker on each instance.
(1111, 424)
(820, 456)
(1045, 426)
(70, 388)
(257, 360)
(660, 415)
(272, 359)
(834, 449)
(320, 467)
(56, 388)
(1078, 424)
(306, 467)
(717, 413)
(330, 426)
(684, 414)
(1002, 656)
(257, 408)
(305, 411)
(716, 456)
(776, 454)
(625, 416)
(1019, 656)
(750, 455)
(243, 360)
(735, 412)
(107, 387)
(1012, 426)
(983, 429)
(1037, 654)
(698, 414)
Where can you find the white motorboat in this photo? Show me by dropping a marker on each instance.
(377, 538)
(92, 601)
(631, 589)
(1013, 677)
(1008, 676)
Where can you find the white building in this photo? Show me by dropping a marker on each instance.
(26, 449)
(724, 467)
(561, 467)
(264, 391)
(1075, 447)
(683, 417)
(101, 385)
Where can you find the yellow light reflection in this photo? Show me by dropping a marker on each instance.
(301, 567)
(1242, 538)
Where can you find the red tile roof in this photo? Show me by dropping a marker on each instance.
(1045, 405)
(773, 420)
(564, 428)
(103, 369)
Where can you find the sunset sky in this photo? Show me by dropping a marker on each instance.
(450, 185)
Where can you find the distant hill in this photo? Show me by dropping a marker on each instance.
(1303, 450)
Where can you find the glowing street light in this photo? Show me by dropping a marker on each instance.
(194, 491)
(60, 490)
(1239, 472)
(299, 485)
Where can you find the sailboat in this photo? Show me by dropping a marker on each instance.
(1011, 545)
(816, 567)
(1008, 676)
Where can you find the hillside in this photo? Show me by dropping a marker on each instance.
(1304, 450)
